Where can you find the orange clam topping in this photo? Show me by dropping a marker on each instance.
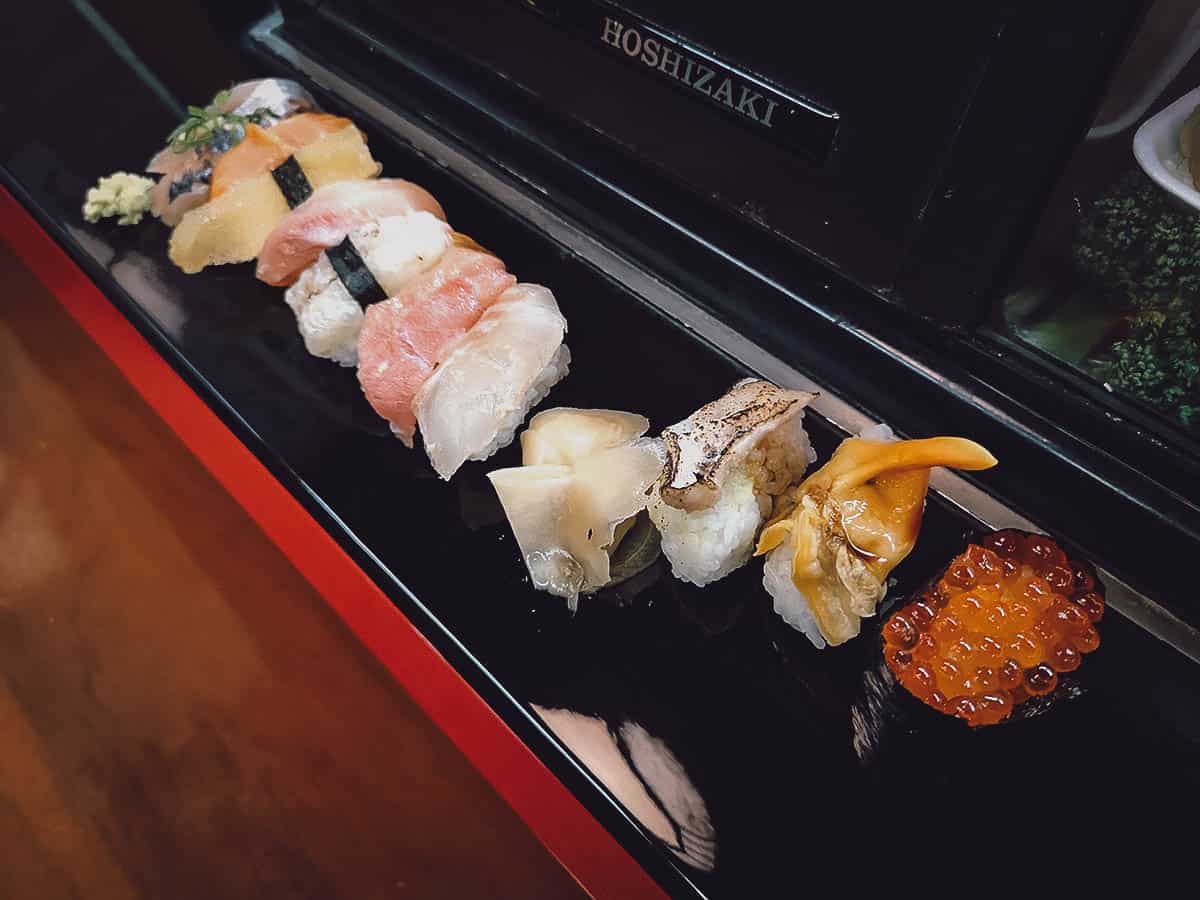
(1008, 615)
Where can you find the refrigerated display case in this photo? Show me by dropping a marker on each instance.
(1106, 287)
(931, 218)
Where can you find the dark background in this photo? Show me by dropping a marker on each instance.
(758, 720)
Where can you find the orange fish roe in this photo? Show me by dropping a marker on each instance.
(1007, 616)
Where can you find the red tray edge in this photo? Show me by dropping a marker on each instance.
(591, 855)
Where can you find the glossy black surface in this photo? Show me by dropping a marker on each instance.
(953, 118)
(738, 95)
(1103, 471)
(733, 702)
(884, 71)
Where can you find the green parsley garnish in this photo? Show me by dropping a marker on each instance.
(203, 123)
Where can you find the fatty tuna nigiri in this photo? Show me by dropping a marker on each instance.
(332, 212)
(404, 337)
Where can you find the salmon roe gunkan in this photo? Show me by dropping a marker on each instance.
(1008, 616)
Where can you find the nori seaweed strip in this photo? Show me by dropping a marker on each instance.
(344, 258)
(355, 275)
(292, 181)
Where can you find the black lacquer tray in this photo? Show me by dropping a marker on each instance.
(760, 724)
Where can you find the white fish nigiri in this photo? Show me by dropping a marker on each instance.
(585, 476)
(395, 249)
(725, 464)
(486, 384)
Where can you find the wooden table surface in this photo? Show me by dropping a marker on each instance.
(180, 714)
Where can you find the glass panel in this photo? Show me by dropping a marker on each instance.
(1110, 285)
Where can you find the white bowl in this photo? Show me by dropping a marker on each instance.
(1156, 148)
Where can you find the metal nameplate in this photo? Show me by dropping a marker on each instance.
(793, 122)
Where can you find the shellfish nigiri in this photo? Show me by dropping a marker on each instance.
(836, 536)
(584, 478)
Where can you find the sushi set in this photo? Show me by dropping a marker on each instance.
(442, 336)
(732, 626)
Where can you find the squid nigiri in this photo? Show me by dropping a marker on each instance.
(725, 463)
(836, 536)
(502, 367)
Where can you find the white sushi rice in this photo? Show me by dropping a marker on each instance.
(329, 319)
(781, 458)
(706, 545)
(556, 370)
(395, 249)
(790, 603)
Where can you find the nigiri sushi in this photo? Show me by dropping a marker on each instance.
(725, 464)
(186, 163)
(329, 296)
(485, 385)
(262, 149)
(329, 215)
(584, 478)
(836, 536)
(232, 228)
(403, 338)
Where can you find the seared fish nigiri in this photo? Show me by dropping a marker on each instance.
(724, 465)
